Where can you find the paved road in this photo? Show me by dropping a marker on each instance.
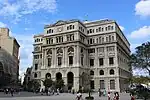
(63, 96)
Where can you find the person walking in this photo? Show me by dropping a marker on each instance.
(79, 96)
(12, 91)
(132, 97)
(108, 95)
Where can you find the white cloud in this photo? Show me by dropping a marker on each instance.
(2, 24)
(122, 28)
(20, 8)
(142, 8)
(143, 32)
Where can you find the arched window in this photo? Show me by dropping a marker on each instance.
(101, 72)
(48, 75)
(112, 27)
(71, 49)
(99, 29)
(59, 50)
(109, 27)
(91, 72)
(49, 51)
(111, 72)
(35, 75)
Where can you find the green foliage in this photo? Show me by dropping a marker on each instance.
(59, 83)
(47, 83)
(138, 80)
(141, 57)
(33, 85)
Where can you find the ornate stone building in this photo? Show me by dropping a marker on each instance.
(90, 54)
(9, 59)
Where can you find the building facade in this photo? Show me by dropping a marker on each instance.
(9, 59)
(27, 78)
(90, 54)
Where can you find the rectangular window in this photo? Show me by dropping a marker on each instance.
(59, 61)
(92, 84)
(91, 62)
(70, 60)
(112, 84)
(36, 66)
(111, 60)
(49, 62)
(102, 84)
(82, 61)
(91, 41)
(101, 62)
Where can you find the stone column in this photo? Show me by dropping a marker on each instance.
(66, 57)
(75, 56)
(78, 55)
(117, 85)
(45, 59)
(96, 58)
(53, 57)
(63, 59)
(76, 83)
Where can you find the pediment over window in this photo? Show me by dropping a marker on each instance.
(59, 54)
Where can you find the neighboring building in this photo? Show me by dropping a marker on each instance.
(27, 78)
(84, 54)
(9, 54)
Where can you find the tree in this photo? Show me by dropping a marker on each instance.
(36, 84)
(59, 83)
(47, 83)
(141, 57)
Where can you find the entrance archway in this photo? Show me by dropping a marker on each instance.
(58, 76)
(70, 80)
(48, 76)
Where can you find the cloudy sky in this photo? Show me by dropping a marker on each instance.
(26, 18)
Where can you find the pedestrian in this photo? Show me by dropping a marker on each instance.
(79, 96)
(132, 97)
(108, 95)
(42, 91)
(12, 91)
(114, 96)
(117, 96)
(58, 91)
(99, 92)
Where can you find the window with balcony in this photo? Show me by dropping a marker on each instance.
(101, 61)
(49, 62)
(91, 62)
(36, 66)
(111, 61)
(70, 60)
(59, 61)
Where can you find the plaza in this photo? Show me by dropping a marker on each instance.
(62, 96)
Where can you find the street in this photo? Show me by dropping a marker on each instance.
(62, 96)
